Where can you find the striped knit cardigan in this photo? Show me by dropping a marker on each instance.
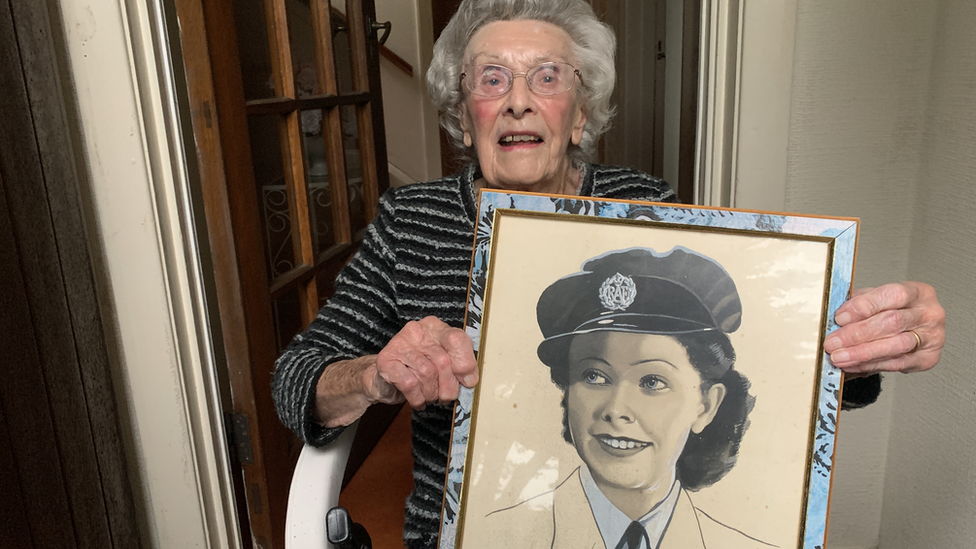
(414, 263)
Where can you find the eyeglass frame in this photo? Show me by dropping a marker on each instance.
(576, 73)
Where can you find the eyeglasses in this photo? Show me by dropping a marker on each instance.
(546, 79)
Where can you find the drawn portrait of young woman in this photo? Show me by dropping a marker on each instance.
(638, 343)
(661, 397)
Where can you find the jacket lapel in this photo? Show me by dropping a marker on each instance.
(683, 531)
(574, 526)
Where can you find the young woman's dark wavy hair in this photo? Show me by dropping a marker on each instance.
(708, 455)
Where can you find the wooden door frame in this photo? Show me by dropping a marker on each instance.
(219, 119)
(215, 108)
(690, 98)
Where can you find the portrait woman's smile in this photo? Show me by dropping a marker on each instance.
(632, 401)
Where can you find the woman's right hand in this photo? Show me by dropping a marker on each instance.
(426, 362)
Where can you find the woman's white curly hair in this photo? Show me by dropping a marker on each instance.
(593, 42)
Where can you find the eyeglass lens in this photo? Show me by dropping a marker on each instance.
(545, 79)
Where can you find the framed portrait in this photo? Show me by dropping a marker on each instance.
(651, 376)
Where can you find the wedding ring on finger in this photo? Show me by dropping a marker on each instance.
(918, 341)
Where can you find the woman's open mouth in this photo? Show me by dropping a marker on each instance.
(515, 140)
(621, 443)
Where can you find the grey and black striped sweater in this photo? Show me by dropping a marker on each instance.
(414, 262)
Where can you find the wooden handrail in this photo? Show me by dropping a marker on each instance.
(386, 52)
(397, 61)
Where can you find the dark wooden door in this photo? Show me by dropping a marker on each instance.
(288, 129)
(64, 481)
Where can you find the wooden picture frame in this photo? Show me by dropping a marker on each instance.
(584, 402)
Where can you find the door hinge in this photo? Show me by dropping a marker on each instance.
(240, 438)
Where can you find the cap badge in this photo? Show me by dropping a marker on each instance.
(618, 292)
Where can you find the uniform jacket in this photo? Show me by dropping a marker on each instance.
(561, 519)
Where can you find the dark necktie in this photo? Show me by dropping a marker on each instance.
(632, 537)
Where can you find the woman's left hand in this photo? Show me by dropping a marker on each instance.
(891, 328)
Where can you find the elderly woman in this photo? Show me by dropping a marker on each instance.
(524, 86)
(638, 343)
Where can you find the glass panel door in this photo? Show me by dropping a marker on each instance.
(287, 120)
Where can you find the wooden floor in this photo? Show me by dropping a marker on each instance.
(375, 495)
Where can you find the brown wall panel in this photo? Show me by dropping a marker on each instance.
(86, 380)
(34, 453)
(57, 397)
(14, 529)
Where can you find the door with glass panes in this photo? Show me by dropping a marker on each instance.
(287, 123)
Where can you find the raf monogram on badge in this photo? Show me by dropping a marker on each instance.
(618, 292)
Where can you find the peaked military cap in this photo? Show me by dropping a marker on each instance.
(637, 290)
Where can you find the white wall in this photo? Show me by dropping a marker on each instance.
(412, 139)
(764, 104)
(835, 128)
(883, 127)
(930, 479)
(860, 85)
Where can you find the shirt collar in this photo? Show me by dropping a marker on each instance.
(612, 522)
